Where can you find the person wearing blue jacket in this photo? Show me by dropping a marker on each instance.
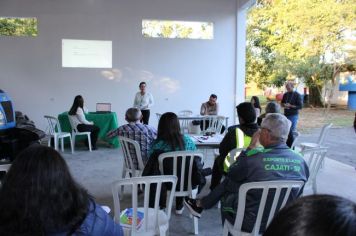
(276, 161)
(40, 197)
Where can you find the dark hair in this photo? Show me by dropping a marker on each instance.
(315, 215)
(214, 96)
(273, 107)
(257, 102)
(39, 195)
(78, 102)
(142, 83)
(169, 131)
(246, 112)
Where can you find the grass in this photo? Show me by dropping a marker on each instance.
(315, 118)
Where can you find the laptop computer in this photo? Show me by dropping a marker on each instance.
(103, 108)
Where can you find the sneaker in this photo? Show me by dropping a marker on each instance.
(191, 204)
(180, 211)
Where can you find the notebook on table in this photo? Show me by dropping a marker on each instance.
(103, 108)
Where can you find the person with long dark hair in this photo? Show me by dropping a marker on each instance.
(40, 197)
(77, 116)
(315, 215)
(170, 138)
(255, 101)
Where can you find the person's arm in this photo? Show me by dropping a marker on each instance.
(203, 109)
(189, 143)
(81, 117)
(85, 109)
(228, 143)
(255, 141)
(283, 102)
(98, 222)
(137, 101)
(297, 104)
(150, 101)
(113, 133)
(152, 132)
(258, 112)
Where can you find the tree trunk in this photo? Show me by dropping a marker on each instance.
(315, 96)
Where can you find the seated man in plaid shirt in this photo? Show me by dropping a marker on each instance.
(141, 133)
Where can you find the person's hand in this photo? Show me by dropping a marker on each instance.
(255, 141)
(92, 122)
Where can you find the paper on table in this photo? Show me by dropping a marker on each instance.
(209, 139)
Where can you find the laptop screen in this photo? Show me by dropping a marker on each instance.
(106, 107)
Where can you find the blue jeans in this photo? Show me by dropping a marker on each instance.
(294, 120)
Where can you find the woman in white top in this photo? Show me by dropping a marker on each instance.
(77, 117)
(143, 101)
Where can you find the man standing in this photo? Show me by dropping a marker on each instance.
(144, 101)
(292, 103)
(143, 134)
(238, 136)
(273, 162)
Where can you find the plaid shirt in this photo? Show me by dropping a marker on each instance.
(143, 134)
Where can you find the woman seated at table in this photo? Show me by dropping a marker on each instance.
(78, 120)
(170, 138)
(40, 197)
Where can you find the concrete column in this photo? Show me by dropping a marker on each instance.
(241, 17)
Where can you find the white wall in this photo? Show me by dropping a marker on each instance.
(181, 74)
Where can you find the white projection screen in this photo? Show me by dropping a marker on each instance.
(86, 53)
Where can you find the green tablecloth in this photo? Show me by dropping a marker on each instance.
(105, 121)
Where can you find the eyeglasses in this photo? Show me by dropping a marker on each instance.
(266, 129)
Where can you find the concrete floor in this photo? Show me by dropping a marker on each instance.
(98, 169)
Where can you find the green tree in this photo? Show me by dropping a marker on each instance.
(291, 38)
(18, 26)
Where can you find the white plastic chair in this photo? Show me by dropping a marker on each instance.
(75, 133)
(4, 168)
(319, 143)
(184, 124)
(131, 150)
(55, 131)
(155, 221)
(212, 124)
(158, 115)
(181, 191)
(234, 153)
(314, 158)
(296, 136)
(185, 113)
(287, 186)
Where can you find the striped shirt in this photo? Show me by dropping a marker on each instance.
(141, 133)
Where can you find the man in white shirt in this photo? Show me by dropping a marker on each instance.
(144, 101)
